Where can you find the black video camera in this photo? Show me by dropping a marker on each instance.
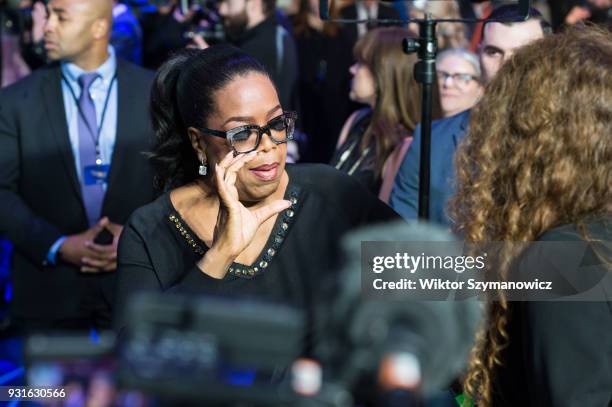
(209, 350)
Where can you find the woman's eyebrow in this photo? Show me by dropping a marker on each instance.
(246, 119)
(249, 119)
(273, 110)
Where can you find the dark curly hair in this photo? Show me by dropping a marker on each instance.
(183, 96)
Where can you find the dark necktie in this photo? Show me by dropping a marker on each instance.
(93, 195)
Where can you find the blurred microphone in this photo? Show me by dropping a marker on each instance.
(412, 348)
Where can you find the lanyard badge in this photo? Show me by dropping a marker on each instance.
(95, 174)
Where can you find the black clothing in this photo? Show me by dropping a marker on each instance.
(155, 253)
(33, 54)
(356, 162)
(270, 44)
(161, 36)
(324, 86)
(559, 353)
(40, 196)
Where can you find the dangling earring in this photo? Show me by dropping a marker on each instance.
(202, 170)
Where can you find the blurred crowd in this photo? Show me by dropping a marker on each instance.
(312, 61)
(81, 104)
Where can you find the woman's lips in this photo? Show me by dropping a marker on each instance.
(266, 172)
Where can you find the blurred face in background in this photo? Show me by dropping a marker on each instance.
(363, 85)
(72, 27)
(235, 17)
(459, 84)
(501, 40)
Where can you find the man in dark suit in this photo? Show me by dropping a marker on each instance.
(499, 41)
(71, 166)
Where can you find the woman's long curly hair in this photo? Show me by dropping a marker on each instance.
(538, 155)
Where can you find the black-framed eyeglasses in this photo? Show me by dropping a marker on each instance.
(461, 79)
(245, 139)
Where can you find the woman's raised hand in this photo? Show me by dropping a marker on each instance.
(236, 225)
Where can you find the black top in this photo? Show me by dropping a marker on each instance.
(355, 161)
(158, 251)
(271, 45)
(162, 35)
(560, 353)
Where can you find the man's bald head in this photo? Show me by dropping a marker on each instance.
(90, 9)
(78, 29)
(101, 8)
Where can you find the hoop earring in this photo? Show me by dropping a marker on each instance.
(202, 169)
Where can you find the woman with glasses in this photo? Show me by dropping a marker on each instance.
(234, 219)
(458, 72)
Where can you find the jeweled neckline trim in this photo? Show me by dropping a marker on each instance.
(274, 243)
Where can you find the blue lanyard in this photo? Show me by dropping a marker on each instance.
(76, 102)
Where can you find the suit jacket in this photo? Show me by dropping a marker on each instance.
(40, 195)
(446, 134)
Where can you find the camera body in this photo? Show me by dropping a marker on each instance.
(189, 348)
